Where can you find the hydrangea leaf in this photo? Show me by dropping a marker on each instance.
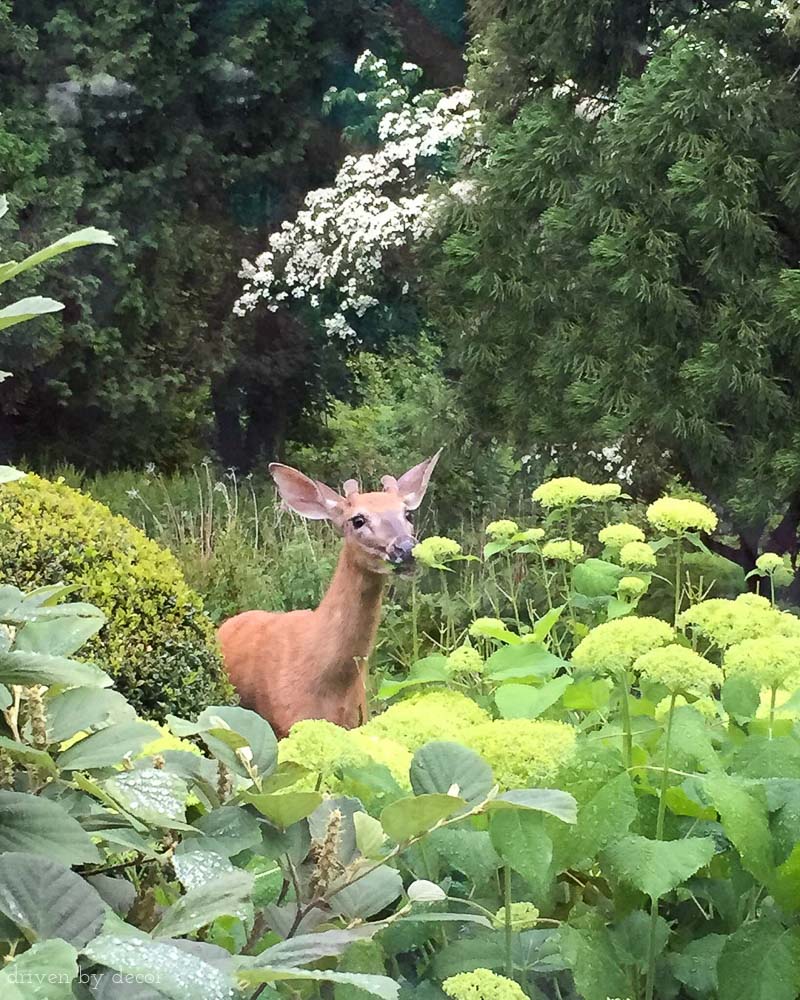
(409, 817)
(696, 965)
(429, 670)
(743, 813)
(518, 662)
(380, 986)
(440, 767)
(760, 961)
(523, 701)
(655, 867)
(520, 838)
(590, 954)
(602, 817)
(283, 809)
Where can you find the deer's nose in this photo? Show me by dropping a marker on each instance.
(400, 550)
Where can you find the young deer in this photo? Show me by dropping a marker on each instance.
(297, 665)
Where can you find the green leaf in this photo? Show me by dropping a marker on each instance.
(439, 766)
(368, 895)
(559, 804)
(523, 661)
(108, 747)
(631, 939)
(469, 954)
(225, 895)
(696, 965)
(283, 808)
(655, 867)
(20, 667)
(760, 961)
(45, 971)
(740, 698)
(180, 975)
(596, 578)
(743, 813)
(59, 636)
(47, 900)
(83, 237)
(29, 756)
(41, 826)
(218, 723)
(27, 309)
(587, 695)
(544, 626)
(227, 831)
(519, 837)
(154, 796)
(522, 701)
(430, 670)
(370, 836)
(602, 818)
(84, 709)
(407, 818)
(306, 948)
(492, 548)
(380, 986)
(597, 971)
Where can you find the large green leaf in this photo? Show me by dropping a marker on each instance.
(439, 767)
(29, 756)
(225, 895)
(227, 831)
(369, 895)
(523, 701)
(380, 986)
(81, 238)
(234, 735)
(743, 813)
(153, 795)
(602, 817)
(306, 948)
(519, 837)
(559, 804)
(27, 309)
(180, 975)
(45, 971)
(60, 636)
(108, 747)
(430, 670)
(21, 667)
(84, 709)
(38, 825)
(47, 900)
(655, 867)
(467, 851)
(596, 578)
(283, 809)
(598, 973)
(518, 662)
(696, 965)
(409, 817)
(760, 961)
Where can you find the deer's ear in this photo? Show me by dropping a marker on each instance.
(305, 496)
(412, 485)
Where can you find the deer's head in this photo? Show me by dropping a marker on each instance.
(377, 526)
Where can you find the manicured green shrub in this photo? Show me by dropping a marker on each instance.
(158, 643)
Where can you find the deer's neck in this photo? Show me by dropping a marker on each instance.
(348, 615)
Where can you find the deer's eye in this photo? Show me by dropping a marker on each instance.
(358, 521)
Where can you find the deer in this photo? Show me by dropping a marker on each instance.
(311, 664)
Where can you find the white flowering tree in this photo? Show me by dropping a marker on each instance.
(337, 256)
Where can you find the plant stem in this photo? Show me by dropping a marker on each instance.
(507, 901)
(662, 808)
(772, 709)
(512, 590)
(678, 583)
(627, 737)
(414, 625)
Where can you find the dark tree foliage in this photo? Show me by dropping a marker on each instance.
(630, 271)
(189, 129)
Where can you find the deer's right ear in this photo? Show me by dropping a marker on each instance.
(304, 496)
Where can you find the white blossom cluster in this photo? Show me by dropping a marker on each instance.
(332, 255)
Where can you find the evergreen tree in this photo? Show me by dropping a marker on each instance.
(628, 271)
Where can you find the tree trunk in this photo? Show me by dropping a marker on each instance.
(225, 398)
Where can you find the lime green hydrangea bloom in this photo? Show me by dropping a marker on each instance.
(679, 669)
(324, 749)
(464, 660)
(749, 616)
(769, 662)
(603, 492)
(482, 985)
(565, 491)
(563, 550)
(523, 753)
(707, 707)
(433, 715)
(637, 554)
(769, 562)
(615, 645)
(436, 550)
(524, 916)
(631, 586)
(614, 536)
(674, 516)
(503, 528)
(531, 535)
(485, 628)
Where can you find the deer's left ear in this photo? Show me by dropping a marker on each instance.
(412, 485)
